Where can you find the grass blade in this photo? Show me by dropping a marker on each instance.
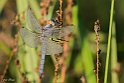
(109, 41)
(114, 75)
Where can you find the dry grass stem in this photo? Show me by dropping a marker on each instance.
(97, 29)
(59, 19)
(8, 61)
(68, 19)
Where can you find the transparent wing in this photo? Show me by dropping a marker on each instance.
(32, 22)
(66, 30)
(59, 32)
(31, 39)
(53, 47)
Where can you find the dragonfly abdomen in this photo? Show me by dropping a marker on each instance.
(43, 53)
(42, 64)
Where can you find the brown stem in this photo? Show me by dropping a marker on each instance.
(7, 62)
(96, 29)
(56, 68)
(68, 17)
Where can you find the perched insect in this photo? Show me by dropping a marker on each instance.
(34, 34)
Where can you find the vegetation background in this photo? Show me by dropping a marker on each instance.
(19, 63)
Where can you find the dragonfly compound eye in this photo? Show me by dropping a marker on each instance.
(54, 22)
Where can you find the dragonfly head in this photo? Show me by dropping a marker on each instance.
(51, 23)
(54, 22)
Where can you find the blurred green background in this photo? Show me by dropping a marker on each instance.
(19, 63)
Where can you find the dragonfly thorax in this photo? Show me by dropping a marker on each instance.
(48, 26)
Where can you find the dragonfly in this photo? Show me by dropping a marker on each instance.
(34, 35)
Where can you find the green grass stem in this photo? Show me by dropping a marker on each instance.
(114, 63)
(109, 41)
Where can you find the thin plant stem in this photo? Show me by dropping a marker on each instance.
(97, 29)
(60, 11)
(109, 41)
(68, 19)
(59, 18)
